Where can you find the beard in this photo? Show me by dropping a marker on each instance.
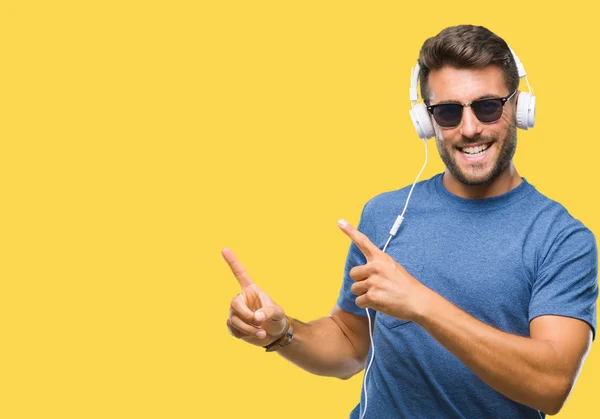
(480, 177)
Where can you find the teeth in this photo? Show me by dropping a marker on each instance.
(476, 150)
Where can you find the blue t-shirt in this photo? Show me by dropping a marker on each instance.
(505, 260)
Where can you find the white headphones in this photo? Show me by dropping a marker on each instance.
(422, 119)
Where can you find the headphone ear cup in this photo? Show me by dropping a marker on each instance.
(422, 121)
(525, 110)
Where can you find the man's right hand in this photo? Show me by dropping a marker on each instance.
(253, 315)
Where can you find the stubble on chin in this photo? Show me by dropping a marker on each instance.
(479, 177)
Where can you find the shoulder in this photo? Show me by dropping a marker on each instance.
(396, 199)
(561, 236)
(555, 217)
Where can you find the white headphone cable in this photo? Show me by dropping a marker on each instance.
(528, 86)
(393, 232)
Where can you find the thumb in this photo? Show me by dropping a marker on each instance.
(270, 316)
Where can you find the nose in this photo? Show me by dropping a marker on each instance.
(470, 125)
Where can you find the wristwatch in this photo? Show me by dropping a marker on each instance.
(284, 340)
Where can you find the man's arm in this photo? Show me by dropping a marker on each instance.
(335, 346)
(539, 371)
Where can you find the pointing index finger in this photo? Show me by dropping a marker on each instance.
(360, 240)
(237, 268)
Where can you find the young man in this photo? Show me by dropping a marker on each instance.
(484, 304)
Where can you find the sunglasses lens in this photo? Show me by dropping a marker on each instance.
(488, 110)
(448, 115)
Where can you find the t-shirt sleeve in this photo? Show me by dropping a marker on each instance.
(346, 300)
(567, 280)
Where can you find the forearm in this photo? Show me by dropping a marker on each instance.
(523, 369)
(323, 347)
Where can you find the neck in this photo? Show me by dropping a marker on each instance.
(504, 182)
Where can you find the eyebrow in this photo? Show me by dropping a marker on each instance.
(487, 96)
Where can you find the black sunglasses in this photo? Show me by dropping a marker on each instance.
(449, 115)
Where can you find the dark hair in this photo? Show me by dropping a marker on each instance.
(466, 46)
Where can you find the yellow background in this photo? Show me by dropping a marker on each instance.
(138, 138)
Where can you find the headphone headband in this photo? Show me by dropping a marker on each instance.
(414, 79)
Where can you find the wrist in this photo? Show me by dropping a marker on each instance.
(284, 339)
(425, 303)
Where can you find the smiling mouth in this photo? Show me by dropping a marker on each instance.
(473, 151)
